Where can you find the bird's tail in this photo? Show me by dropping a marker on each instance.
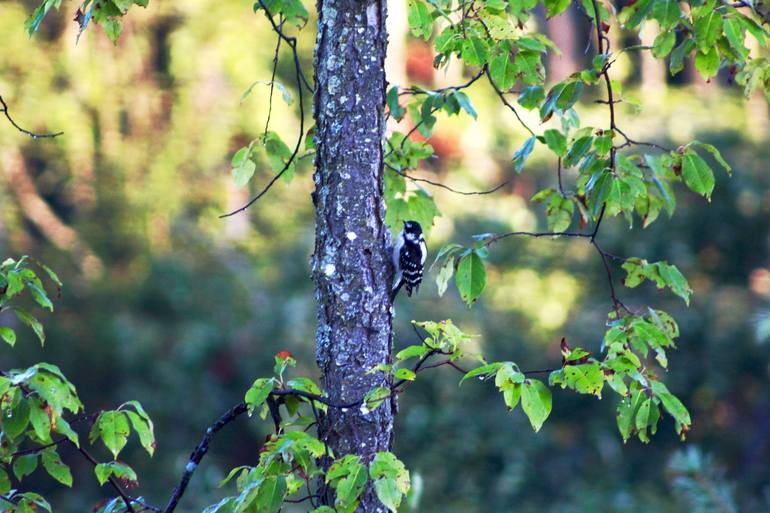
(395, 290)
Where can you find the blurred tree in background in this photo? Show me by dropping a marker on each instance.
(164, 296)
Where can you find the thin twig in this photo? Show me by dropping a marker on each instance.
(441, 185)
(33, 135)
(292, 42)
(505, 100)
(496, 238)
(272, 77)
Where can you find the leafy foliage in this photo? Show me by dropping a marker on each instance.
(39, 407)
(494, 38)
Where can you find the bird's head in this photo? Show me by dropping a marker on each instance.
(412, 227)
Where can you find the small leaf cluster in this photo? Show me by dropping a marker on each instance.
(715, 32)
(405, 154)
(292, 10)
(624, 368)
(107, 13)
(268, 146)
(293, 458)
(662, 274)
(467, 266)
(16, 278)
(40, 408)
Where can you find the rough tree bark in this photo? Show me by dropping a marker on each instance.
(351, 265)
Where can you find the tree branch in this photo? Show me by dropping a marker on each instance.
(199, 452)
(33, 135)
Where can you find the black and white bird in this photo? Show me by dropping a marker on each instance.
(409, 256)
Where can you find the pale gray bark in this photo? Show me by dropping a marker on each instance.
(351, 266)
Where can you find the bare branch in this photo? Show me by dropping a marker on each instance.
(199, 452)
(33, 135)
(441, 185)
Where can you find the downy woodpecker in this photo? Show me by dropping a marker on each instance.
(409, 256)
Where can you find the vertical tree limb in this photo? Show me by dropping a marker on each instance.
(351, 263)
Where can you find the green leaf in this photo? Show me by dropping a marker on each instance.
(112, 427)
(570, 94)
(555, 7)
(375, 397)
(484, 372)
(5, 484)
(626, 414)
(471, 277)
(556, 141)
(395, 109)
(673, 406)
(735, 34)
(529, 67)
(708, 28)
(697, 174)
(8, 335)
(391, 479)
(465, 103)
(271, 494)
(559, 210)
(578, 150)
(444, 275)
(63, 427)
(419, 19)
(714, 153)
(531, 97)
(144, 430)
(285, 94)
(411, 352)
(226, 505)
(536, 402)
(55, 467)
(678, 55)
(39, 295)
(120, 470)
(707, 63)
(258, 393)
(634, 13)
(16, 419)
(33, 323)
(406, 374)
(521, 155)
(503, 71)
(603, 143)
(349, 477)
(24, 465)
(663, 44)
(279, 156)
(585, 378)
(666, 12)
(113, 28)
(475, 51)
(293, 10)
(41, 422)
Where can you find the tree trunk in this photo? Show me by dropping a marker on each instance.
(351, 265)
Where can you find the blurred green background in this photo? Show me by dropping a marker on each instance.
(168, 304)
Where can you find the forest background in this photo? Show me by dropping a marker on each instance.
(182, 309)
